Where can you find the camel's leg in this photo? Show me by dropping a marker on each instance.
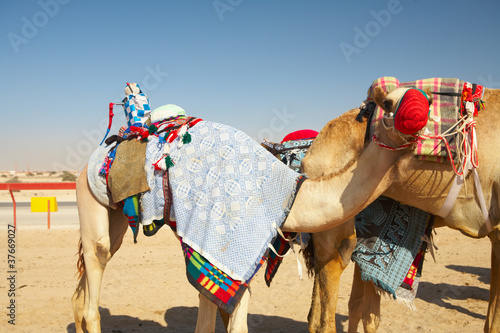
(323, 254)
(492, 323)
(235, 322)
(238, 319)
(356, 301)
(94, 228)
(225, 318)
(101, 233)
(118, 227)
(207, 312)
(79, 299)
(332, 253)
(364, 304)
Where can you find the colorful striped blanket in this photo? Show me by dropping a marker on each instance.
(444, 113)
(219, 287)
(210, 281)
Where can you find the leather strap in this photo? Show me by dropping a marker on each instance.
(455, 190)
(167, 194)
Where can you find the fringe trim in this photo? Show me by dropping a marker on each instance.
(380, 284)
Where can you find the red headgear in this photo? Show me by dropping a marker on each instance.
(300, 135)
(412, 112)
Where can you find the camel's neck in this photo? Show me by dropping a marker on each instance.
(324, 203)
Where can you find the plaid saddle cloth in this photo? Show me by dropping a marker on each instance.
(449, 96)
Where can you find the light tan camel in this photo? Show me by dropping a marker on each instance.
(333, 247)
(102, 230)
(320, 204)
(424, 185)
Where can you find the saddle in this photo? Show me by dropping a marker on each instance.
(292, 148)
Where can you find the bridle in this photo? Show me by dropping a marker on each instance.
(467, 154)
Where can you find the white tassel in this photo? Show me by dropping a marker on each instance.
(161, 163)
(436, 119)
(299, 265)
(166, 149)
(181, 133)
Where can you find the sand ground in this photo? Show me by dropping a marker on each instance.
(145, 287)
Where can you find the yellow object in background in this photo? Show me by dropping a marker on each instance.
(40, 204)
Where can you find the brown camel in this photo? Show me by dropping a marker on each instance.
(320, 204)
(333, 247)
(424, 185)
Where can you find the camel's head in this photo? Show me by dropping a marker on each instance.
(405, 109)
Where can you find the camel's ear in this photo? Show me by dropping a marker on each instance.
(379, 96)
(429, 95)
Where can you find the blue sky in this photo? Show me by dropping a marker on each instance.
(265, 67)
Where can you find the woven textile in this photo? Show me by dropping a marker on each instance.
(130, 208)
(217, 286)
(229, 195)
(153, 201)
(294, 153)
(214, 284)
(445, 112)
(389, 238)
(97, 180)
(274, 260)
(126, 176)
(387, 83)
(293, 148)
(136, 106)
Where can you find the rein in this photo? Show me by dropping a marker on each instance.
(383, 145)
(467, 149)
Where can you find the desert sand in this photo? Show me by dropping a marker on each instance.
(145, 288)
